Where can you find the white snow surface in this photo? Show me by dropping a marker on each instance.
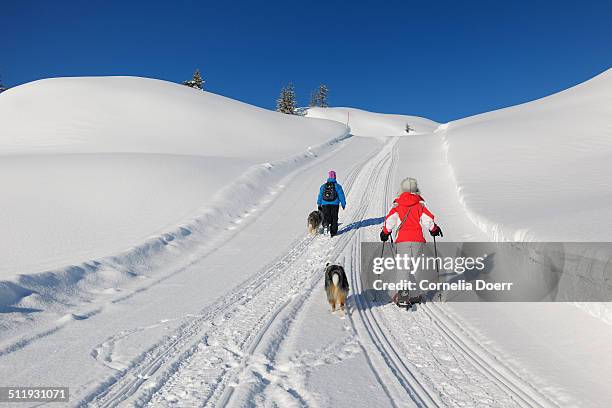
(93, 166)
(364, 123)
(538, 171)
(141, 115)
(227, 308)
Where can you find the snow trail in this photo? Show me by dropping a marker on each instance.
(211, 331)
(419, 358)
(236, 352)
(429, 357)
(292, 387)
(296, 277)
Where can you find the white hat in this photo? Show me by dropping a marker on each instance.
(409, 185)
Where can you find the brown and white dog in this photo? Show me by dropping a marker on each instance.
(315, 219)
(336, 285)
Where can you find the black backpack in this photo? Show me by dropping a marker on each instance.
(329, 192)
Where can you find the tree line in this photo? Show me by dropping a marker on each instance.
(286, 102)
(2, 87)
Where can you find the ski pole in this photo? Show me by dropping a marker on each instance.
(437, 268)
(382, 253)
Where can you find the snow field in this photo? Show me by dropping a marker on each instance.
(228, 309)
(104, 218)
(537, 171)
(370, 124)
(99, 173)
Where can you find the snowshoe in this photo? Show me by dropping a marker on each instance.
(402, 299)
(416, 300)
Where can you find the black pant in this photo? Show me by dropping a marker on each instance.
(330, 218)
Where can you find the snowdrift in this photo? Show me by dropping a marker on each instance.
(540, 170)
(100, 173)
(364, 123)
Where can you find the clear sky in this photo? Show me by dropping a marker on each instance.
(440, 59)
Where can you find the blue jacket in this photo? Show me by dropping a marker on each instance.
(340, 193)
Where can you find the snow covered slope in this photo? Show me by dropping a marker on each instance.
(364, 123)
(139, 115)
(540, 170)
(236, 315)
(92, 166)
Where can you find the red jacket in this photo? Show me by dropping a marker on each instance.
(418, 214)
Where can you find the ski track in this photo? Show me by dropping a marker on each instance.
(282, 382)
(418, 358)
(200, 333)
(188, 339)
(433, 360)
(295, 280)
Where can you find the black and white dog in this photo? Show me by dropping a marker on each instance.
(336, 285)
(315, 219)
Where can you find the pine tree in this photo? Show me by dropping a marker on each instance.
(322, 95)
(314, 99)
(196, 82)
(319, 97)
(286, 101)
(281, 99)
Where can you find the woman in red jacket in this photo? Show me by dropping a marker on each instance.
(407, 216)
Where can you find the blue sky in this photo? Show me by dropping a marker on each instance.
(440, 59)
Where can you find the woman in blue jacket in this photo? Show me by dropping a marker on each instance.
(331, 197)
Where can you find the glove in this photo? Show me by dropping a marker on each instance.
(320, 208)
(383, 236)
(436, 231)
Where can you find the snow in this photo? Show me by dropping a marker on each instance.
(364, 123)
(140, 115)
(93, 166)
(546, 179)
(554, 346)
(69, 208)
(178, 271)
(547, 166)
(533, 172)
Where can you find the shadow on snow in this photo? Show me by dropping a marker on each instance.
(361, 224)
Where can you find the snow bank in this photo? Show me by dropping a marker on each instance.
(66, 208)
(208, 227)
(100, 173)
(540, 170)
(364, 123)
